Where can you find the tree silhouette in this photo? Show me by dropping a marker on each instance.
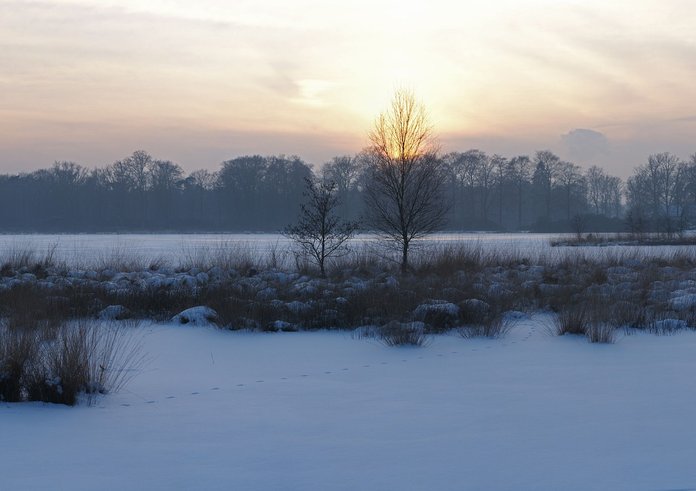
(320, 233)
(404, 190)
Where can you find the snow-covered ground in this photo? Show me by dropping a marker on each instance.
(84, 249)
(323, 411)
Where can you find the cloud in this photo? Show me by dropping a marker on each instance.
(584, 145)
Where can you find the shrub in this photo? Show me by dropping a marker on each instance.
(600, 332)
(665, 326)
(17, 349)
(572, 319)
(438, 315)
(395, 334)
(491, 327)
(58, 366)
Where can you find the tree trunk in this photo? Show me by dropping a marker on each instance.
(404, 257)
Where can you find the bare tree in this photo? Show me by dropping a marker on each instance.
(346, 172)
(544, 178)
(519, 173)
(404, 190)
(343, 170)
(485, 181)
(658, 188)
(501, 181)
(603, 192)
(320, 233)
(165, 176)
(578, 224)
(569, 178)
(132, 172)
(595, 178)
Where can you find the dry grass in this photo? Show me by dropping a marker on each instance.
(242, 257)
(483, 284)
(651, 239)
(61, 365)
(28, 259)
(395, 333)
(17, 350)
(573, 319)
(601, 332)
(493, 327)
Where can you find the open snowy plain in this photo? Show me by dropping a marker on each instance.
(216, 409)
(83, 250)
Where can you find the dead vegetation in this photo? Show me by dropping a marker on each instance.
(249, 290)
(61, 363)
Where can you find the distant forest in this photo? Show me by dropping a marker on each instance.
(261, 193)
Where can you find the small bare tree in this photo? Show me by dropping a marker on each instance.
(320, 233)
(578, 224)
(406, 178)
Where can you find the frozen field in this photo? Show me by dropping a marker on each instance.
(322, 411)
(85, 249)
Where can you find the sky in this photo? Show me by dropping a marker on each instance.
(91, 81)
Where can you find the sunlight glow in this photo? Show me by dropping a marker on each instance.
(486, 70)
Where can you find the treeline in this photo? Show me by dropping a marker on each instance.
(661, 196)
(257, 193)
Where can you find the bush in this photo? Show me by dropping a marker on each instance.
(438, 315)
(600, 332)
(395, 334)
(665, 326)
(17, 350)
(572, 320)
(60, 364)
(491, 327)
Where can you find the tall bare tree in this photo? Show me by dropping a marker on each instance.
(570, 180)
(544, 178)
(660, 184)
(406, 177)
(603, 192)
(519, 173)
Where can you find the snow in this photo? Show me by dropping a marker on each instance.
(685, 301)
(93, 249)
(321, 410)
(196, 316)
(436, 307)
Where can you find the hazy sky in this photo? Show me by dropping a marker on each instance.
(201, 81)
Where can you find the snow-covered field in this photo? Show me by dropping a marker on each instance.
(83, 249)
(323, 411)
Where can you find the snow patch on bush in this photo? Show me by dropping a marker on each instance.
(196, 316)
